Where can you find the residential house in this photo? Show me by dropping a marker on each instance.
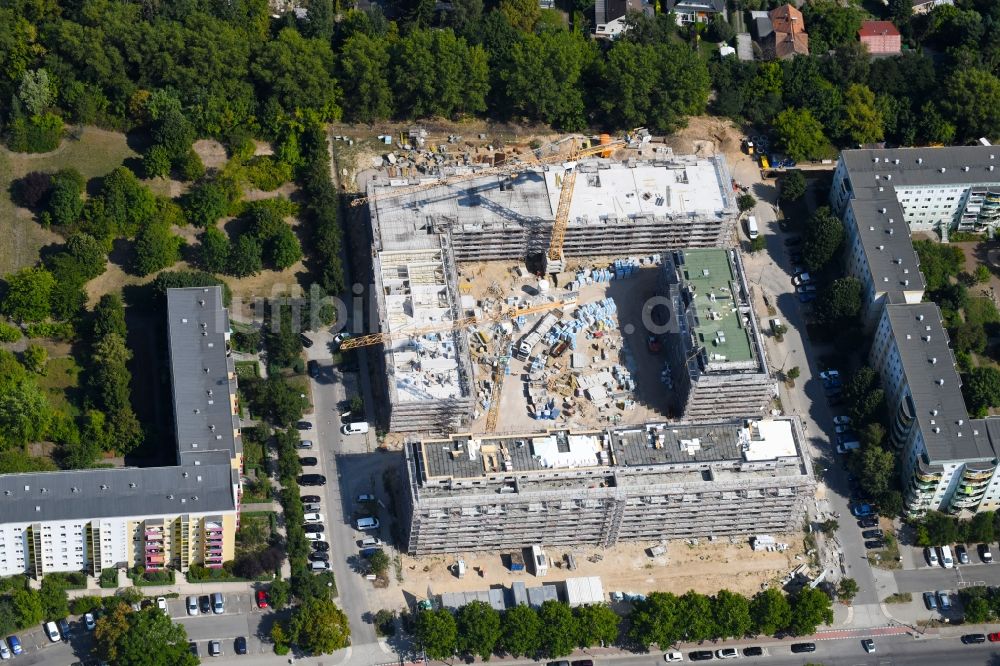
(781, 32)
(696, 11)
(609, 15)
(925, 6)
(881, 37)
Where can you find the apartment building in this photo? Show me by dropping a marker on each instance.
(716, 356)
(565, 488)
(157, 517)
(880, 37)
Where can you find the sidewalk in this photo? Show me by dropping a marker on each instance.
(180, 588)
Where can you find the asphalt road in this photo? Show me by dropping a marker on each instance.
(939, 578)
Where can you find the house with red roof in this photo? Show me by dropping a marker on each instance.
(881, 37)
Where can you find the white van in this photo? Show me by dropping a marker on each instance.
(319, 566)
(367, 524)
(52, 631)
(946, 560)
(359, 428)
(752, 230)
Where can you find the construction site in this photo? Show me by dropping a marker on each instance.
(512, 291)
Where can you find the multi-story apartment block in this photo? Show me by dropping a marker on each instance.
(717, 362)
(949, 462)
(157, 517)
(637, 483)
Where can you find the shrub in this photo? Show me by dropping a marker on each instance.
(46, 329)
(85, 604)
(9, 333)
(267, 173)
(156, 162)
(31, 190)
(109, 578)
(36, 134)
(190, 167)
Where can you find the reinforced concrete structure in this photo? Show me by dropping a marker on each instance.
(568, 488)
(156, 517)
(717, 360)
(636, 207)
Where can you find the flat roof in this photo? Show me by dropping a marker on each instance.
(200, 367)
(887, 244)
(115, 493)
(934, 384)
(711, 275)
(891, 168)
(464, 456)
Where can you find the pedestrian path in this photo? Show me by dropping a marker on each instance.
(872, 632)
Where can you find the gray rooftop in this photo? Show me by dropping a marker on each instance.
(919, 166)
(701, 5)
(886, 241)
(122, 492)
(715, 442)
(934, 384)
(200, 367)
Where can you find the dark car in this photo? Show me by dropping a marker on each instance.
(870, 521)
(930, 600)
(310, 499)
(972, 639)
(753, 651)
(701, 655)
(798, 648)
(961, 554)
(873, 534)
(313, 527)
(313, 367)
(306, 342)
(205, 604)
(241, 645)
(874, 544)
(312, 480)
(64, 629)
(321, 546)
(193, 647)
(303, 425)
(583, 662)
(319, 556)
(308, 461)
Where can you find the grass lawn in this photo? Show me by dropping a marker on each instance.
(254, 532)
(247, 369)
(61, 378)
(96, 153)
(301, 382)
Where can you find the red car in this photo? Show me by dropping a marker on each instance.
(994, 637)
(261, 599)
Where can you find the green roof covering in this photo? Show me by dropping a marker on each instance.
(709, 272)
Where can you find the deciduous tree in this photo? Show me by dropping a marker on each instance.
(521, 631)
(437, 633)
(319, 626)
(770, 611)
(596, 624)
(559, 630)
(801, 135)
(478, 629)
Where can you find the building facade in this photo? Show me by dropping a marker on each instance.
(155, 517)
(880, 37)
(565, 488)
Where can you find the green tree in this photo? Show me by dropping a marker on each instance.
(364, 67)
(319, 626)
(436, 73)
(697, 620)
(28, 293)
(972, 98)
(793, 373)
(746, 202)
(522, 14)
(206, 203)
(982, 528)
(732, 614)
(279, 593)
(36, 91)
(862, 121)
(174, 133)
(824, 236)
(977, 610)
(437, 633)
(54, 598)
(719, 30)
(156, 162)
(545, 77)
(841, 300)
(127, 204)
(938, 263)
(28, 607)
(65, 204)
(981, 388)
(559, 631)
(144, 638)
(379, 562)
(801, 135)
(831, 24)
(970, 337)
(156, 248)
(298, 74)
(810, 608)
(109, 317)
(596, 624)
(771, 612)
(214, 250)
(793, 185)
(17, 43)
(246, 256)
(848, 589)
(873, 434)
(982, 274)
(34, 357)
(283, 249)
(657, 620)
(757, 245)
(24, 412)
(521, 631)
(478, 629)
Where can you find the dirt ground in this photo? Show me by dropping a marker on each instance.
(707, 568)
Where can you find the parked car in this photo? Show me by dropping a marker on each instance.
(64, 629)
(994, 637)
(701, 655)
(356, 428)
(313, 518)
(15, 645)
(218, 603)
(832, 374)
(874, 544)
(319, 566)
(319, 556)
(311, 507)
(313, 368)
(311, 499)
(931, 555)
(52, 631)
(873, 534)
(4, 651)
(306, 342)
(801, 278)
(799, 648)
(365, 498)
(869, 645)
(367, 524)
(862, 510)
(962, 554)
(161, 603)
(312, 480)
(727, 653)
(944, 552)
(944, 600)
(262, 599)
(972, 639)
(842, 428)
(339, 338)
(304, 444)
(753, 651)
(834, 384)
(806, 288)
(673, 657)
(303, 425)
(370, 542)
(841, 420)
(314, 536)
(985, 554)
(205, 604)
(313, 528)
(869, 521)
(214, 648)
(321, 546)
(240, 645)
(89, 621)
(930, 600)
(308, 461)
